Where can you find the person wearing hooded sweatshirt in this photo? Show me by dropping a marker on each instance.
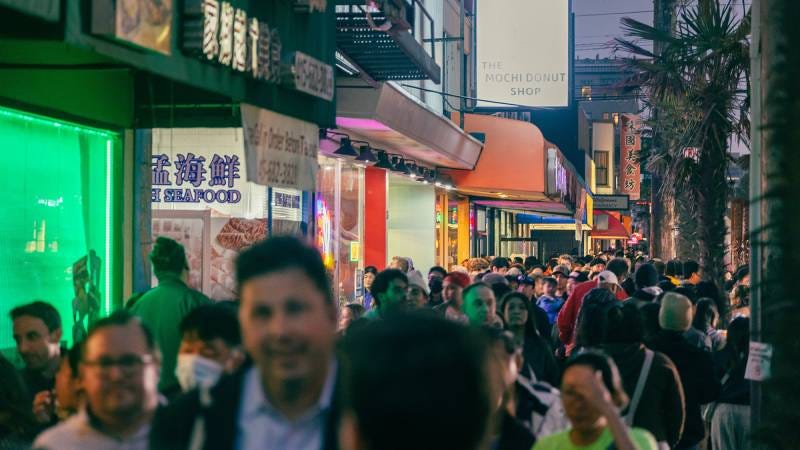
(660, 408)
(646, 278)
(694, 365)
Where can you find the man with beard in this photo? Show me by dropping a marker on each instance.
(37, 332)
(285, 398)
(119, 373)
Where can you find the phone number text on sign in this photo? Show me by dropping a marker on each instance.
(277, 172)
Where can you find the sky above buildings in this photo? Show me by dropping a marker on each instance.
(597, 23)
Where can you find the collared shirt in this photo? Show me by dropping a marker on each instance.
(78, 433)
(262, 427)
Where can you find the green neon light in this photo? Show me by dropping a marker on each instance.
(62, 185)
(42, 120)
(109, 219)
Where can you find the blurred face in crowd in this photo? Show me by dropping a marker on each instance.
(435, 274)
(119, 374)
(395, 298)
(503, 370)
(550, 289)
(216, 349)
(500, 270)
(579, 411)
(37, 345)
(369, 277)
(571, 283)
(288, 327)
(400, 264)
(516, 312)
(345, 319)
(417, 297)
(562, 281)
(527, 290)
(68, 387)
(452, 292)
(597, 268)
(539, 288)
(477, 305)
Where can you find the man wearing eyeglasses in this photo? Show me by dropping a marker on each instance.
(119, 373)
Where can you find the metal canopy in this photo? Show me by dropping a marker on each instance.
(393, 55)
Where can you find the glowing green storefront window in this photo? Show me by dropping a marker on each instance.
(59, 227)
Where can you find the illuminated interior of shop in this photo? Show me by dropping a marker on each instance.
(59, 242)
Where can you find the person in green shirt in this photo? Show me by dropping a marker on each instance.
(163, 308)
(592, 393)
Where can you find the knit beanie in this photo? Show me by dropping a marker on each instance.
(415, 279)
(676, 312)
(646, 276)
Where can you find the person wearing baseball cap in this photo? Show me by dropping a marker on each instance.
(568, 315)
(608, 280)
(561, 274)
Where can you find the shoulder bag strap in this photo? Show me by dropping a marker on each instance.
(197, 439)
(637, 393)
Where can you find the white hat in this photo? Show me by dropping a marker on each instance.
(415, 279)
(607, 276)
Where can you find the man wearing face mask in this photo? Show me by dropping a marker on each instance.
(210, 345)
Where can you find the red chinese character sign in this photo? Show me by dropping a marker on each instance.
(630, 146)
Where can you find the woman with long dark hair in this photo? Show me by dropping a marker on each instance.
(706, 317)
(539, 364)
(730, 415)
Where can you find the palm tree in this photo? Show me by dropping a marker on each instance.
(775, 168)
(699, 83)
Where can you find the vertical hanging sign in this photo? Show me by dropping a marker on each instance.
(281, 151)
(630, 146)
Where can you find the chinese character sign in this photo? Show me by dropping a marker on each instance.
(631, 146)
(188, 182)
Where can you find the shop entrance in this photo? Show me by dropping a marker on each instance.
(519, 246)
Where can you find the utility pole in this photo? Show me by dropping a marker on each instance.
(662, 243)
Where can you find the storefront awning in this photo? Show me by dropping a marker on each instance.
(390, 118)
(548, 207)
(512, 164)
(517, 165)
(606, 226)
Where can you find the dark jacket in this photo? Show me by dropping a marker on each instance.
(173, 424)
(642, 297)
(661, 408)
(35, 382)
(697, 376)
(538, 357)
(735, 389)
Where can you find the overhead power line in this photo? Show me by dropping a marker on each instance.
(619, 13)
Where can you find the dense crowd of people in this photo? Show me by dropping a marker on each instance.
(609, 351)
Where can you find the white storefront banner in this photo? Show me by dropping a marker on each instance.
(281, 151)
